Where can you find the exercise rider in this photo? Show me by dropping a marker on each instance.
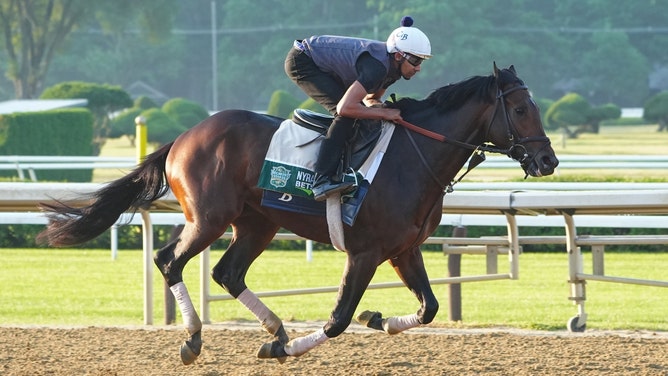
(348, 77)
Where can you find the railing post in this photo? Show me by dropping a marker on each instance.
(147, 243)
(147, 228)
(454, 270)
(205, 285)
(141, 137)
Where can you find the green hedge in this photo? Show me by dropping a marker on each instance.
(66, 132)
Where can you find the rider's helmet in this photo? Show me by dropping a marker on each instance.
(409, 40)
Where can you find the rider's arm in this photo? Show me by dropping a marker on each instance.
(374, 99)
(352, 106)
(367, 91)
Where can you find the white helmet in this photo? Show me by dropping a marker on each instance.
(409, 40)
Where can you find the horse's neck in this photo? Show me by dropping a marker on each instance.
(465, 126)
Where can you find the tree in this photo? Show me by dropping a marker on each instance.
(613, 58)
(35, 30)
(598, 114)
(656, 109)
(571, 109)
(102, 101)
(543, 104)
(605, 53)
(574, 110)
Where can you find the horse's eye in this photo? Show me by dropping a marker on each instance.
(520, 111)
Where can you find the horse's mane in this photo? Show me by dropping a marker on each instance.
(452, 96)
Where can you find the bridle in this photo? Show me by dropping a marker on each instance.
(517, 151)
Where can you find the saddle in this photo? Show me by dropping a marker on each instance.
(358, 148)
(287, 172)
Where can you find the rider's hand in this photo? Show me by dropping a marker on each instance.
(392, 114)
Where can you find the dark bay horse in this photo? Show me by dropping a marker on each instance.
(213, 168)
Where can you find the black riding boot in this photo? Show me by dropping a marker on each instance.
(328, 179)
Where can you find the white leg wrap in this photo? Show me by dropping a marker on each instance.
(398, 324)
(267, 318)
(190, 318)
(301, 345)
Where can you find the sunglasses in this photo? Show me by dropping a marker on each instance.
(412, 59)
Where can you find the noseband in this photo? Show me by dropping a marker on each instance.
(517, 151)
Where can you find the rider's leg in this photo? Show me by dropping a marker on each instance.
(328, 180)
(327, 91)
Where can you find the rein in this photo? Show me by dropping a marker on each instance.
(516, 151)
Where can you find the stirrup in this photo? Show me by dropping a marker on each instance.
(352, 174)
(322, 191)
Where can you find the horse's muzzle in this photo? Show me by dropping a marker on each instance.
(542, 164)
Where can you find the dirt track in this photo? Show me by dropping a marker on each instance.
(424, 351)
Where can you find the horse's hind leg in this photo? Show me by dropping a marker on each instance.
(171, 260)
(252, 233)
(410, 268)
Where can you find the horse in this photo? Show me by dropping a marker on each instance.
(213, 168)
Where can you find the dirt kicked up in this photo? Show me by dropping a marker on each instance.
(424, 351)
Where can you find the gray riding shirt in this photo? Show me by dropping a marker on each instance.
(338, 55)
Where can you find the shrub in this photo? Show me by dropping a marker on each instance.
(124, 124)
(62, 132)
(656, 110)
(543, 105)
(282, 104)
(311, 104)
(161, 128)
(144, 103)
(184, 112)
(103, 100)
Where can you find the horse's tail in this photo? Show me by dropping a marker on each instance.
(70, 226)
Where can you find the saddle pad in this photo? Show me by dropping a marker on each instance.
(287, 173)
(296, 204)
(288, 165)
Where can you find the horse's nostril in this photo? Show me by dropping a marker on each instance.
(549, 161)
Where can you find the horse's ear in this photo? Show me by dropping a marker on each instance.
(496, 71)
(512, 69)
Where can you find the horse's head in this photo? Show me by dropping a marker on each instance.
(516, 125)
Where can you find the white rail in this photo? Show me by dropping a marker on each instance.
(638, 202)
(568, 162)
(31, 164)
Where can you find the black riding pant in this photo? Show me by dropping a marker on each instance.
(328, 91)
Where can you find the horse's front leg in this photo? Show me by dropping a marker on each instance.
(356, 277)
(410, 268)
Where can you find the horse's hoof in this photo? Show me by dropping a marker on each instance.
(373, 320)
(281, 336)
(273, 349)
(188, 356)
(190, 350)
